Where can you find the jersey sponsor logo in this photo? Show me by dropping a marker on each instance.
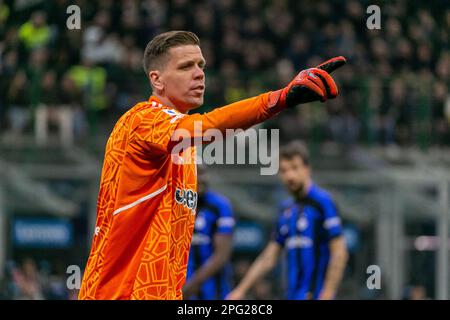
(299, 242)
(187, 198)
(172, 113)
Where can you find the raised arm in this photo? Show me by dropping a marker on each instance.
(313, 84)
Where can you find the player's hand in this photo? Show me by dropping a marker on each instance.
(236, 294)
(313, 84)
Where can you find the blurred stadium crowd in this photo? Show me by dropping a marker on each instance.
(39, 279)
(395, 88)
(29, 280)
(32, 279)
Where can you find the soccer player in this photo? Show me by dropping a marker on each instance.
(209, 270)
(147, 200)
(309, 229)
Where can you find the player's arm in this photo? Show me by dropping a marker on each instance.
(222, 253)
(265, 262)
(336, 267)
(313, 84)
(338, 250)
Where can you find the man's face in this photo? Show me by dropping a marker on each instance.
(183, 78)
(294, 174)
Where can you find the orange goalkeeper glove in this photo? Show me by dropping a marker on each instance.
(313, 84)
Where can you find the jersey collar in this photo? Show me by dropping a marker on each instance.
(156, 101)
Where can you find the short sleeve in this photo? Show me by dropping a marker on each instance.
(225, 221)
(332, 222)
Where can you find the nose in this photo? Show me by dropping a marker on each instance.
(199, 74)
(290, 177)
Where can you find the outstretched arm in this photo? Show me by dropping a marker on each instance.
(313, 84)
(264, 263)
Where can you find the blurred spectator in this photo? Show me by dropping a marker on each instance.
(440, 106)
(55, 286)
(130, 83)
(91, 80)
(398, 100)
(56, 107)
(36, 281)
(36, 68)
(4, 14)
(35, 33)
(415, 292)
(71, 100)
(18, 100)
(99, 46)
(27, 281)
(342, 124)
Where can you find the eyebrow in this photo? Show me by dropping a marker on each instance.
(191, 62)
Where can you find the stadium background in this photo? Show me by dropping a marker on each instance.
(381, 148)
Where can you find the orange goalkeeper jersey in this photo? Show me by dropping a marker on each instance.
(147, 200)
(145, 210)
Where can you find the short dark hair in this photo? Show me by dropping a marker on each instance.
(293, 149)
(160, 45)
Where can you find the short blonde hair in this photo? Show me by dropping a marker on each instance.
(157, 48)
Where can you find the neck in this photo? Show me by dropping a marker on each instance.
(167, 102)
(306, 189)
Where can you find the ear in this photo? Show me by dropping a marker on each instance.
(155, 80)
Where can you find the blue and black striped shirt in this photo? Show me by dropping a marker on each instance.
(304, 228)
(214, 216)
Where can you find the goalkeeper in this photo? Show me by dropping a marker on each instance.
(147, 200)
